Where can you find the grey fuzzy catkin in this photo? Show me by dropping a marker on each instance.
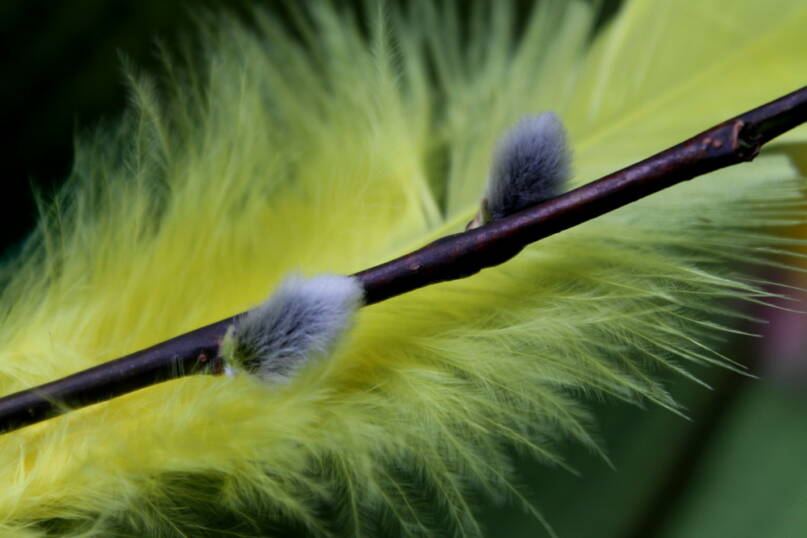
(303, 319)
(530, 165)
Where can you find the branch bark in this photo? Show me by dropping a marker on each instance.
(452, 257)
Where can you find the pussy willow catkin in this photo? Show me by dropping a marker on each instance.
(302, 320)
(330, 147)
(530, 165)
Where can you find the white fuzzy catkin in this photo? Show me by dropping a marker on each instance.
(303, 319)
(530, 165)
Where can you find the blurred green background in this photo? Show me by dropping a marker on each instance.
(736, 468)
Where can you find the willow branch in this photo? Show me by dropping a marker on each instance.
(452, 257)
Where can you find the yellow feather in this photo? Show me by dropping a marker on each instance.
(334, 155)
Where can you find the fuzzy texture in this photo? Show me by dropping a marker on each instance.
(530, 165)
(336, 146)
(302, 320)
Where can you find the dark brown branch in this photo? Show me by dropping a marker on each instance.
(449, 258)
(463, 254)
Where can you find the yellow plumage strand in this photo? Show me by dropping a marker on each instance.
(333, 155)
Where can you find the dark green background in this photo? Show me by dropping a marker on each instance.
(736, 469)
